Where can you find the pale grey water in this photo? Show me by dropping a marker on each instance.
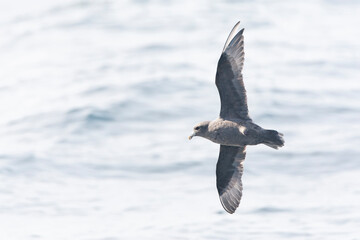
(97, 99)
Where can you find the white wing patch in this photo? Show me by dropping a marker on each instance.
(242, 129)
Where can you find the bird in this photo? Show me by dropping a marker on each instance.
(233, 129)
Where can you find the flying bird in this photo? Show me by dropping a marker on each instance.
(233, 129)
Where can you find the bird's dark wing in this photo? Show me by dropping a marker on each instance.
(229, 80)
(229, 170)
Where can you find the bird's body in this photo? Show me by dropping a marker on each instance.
(234, 132)
(234, 129)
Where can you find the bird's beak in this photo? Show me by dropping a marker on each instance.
(191, 136)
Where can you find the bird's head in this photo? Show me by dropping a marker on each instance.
(200, 129)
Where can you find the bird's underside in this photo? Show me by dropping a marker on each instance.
(229, 81)
(234, 129)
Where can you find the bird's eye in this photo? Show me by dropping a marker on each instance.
(197, 128)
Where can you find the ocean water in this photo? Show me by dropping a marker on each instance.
(97, 99)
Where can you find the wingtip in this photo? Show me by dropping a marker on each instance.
(229, 210)
(234, 32)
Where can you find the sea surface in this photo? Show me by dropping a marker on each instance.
(97, 99)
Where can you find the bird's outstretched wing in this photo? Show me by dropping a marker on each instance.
(229, 80)
(229, 170)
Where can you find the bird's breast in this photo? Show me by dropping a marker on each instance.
(227, 133)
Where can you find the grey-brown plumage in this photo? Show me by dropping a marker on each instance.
(234, 129)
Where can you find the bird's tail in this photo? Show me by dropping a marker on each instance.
(273, 139)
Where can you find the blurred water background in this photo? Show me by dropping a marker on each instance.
(97, 99)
